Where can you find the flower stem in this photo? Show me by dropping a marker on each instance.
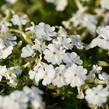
(78, 3)
(21, 33)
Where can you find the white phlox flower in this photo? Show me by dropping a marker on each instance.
(1, 102)
(11, 1)
(64, 42)
(3, 70)
(37, 73)
(16, 69)
(61, 31)
(76, 41)
(43, 31)
(43, 72)
(104, 77)
(10, 39)
(70, 58)
(75, 75)
(59, 79)
(97, 95)
(103, 32)
(102, 40)
(27, 51)
(49, 74)
(19, 20)
(66, 24)
(60, 4)
(4, 50)
(95, 69)
(40, 46)
(18, 99)
(85, 20)
(4, 26)
(104, 4)
(34, 96)
(7, 43)
(99, 42)
(12, 74)
(53, 54)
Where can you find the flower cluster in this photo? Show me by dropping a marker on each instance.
(73, 55)
(20, 99)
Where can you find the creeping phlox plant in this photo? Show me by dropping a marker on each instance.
(42, 64)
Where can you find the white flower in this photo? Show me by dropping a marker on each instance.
(75, 75)
(63, 42)
(102, 43)
(97, 95)
(11, 1)
(50, 1)
(77, 42)
(7, 43)
(4, 26)
(12, 74)
(2, 45)
(9, 39)
(1, 102)
(4, 53)
(104, 77)
(34, 96)
(70, 58)
(102, 40)
(12, 80)
(61, 31)
(42, 72)
(85, 20)
(40, 46)
(43, 31)
(95, 69)
(3, 70)
(33, 93)
(49, 74)
(60, 4)
(20, 99)
(37, 73)
(37, 105)
(53, 54)
(16, 70)
(103, 32)
(59, 79)
(27, 51)
(66, 24)
(19, 20)
(104, 4)
(17, 99)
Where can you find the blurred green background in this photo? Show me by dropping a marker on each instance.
(41, 11)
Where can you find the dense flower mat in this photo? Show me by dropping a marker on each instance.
(54, 63)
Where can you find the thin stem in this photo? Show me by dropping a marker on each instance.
(78, 4)
(20, 32)
(17, 31)
(20, 28)
(6, 17)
